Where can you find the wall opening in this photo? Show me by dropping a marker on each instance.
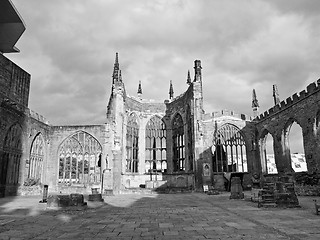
(10, 158)
(229, 150)
(268, 162)
(178, 144)
(156, 150)
(294, 146)
(132, 147)
(34, 165)
(78, 160)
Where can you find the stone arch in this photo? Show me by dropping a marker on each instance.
(156, 150)
(229, 150)
(132, 143)
(297, 160)
(133, 116)
(34, 165)
(178, 143)
(79, 156)
(10, 158)
(268, 164)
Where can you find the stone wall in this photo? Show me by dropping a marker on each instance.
(302, 108)
(57, 135)
(14, 83)
(14, 95)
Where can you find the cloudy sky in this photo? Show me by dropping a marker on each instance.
(69, 49)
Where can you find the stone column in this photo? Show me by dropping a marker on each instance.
(116, 171)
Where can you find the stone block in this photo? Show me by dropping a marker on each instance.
(55, 201)
(149, 184)
(97, 197)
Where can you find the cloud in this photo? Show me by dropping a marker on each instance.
(69, 49)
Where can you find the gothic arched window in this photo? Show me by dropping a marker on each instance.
(35, 163)
(11, 155)
(156, 151)
(229, 150)
(79, 155)
(178, 144)
(132, 144)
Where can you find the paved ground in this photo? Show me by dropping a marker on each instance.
(164, 216)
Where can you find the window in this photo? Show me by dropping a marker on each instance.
(156, 151)
(34, 164)
(79, 155)
(178, 144)
(132, 144)
(229, 153)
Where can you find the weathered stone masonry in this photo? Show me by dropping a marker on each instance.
(302, 108)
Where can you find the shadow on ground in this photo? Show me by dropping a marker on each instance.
(158, 216)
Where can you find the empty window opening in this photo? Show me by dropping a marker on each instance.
(156, 151)
(78, 160)
(34, 165)
(229, 150)
(132, 146)
(294, 137)
(178, 144)
(268, 162)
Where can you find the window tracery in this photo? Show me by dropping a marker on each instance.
(229, 150)
(132, 145)
(178, 144)
(79, 155)
(35, 163)
(156, 151)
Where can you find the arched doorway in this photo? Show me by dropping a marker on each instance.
(10, 160)
(79, 157)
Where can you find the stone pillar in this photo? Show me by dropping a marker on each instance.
(169, 150)
(281, 154)
(116, 171)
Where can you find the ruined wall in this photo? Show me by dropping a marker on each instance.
(302, 108)
(36, 125)
(57, 135)
(14, 95)
(144, 110)
(181, 105)
(14, 83)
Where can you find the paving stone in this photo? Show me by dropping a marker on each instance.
(165, 216)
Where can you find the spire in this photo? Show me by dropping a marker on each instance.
(139, 90)
(197, 71)
(115, 75)
(171, 90)
(188, 78)
(120, 76)
(255, 103)
(275, 94)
